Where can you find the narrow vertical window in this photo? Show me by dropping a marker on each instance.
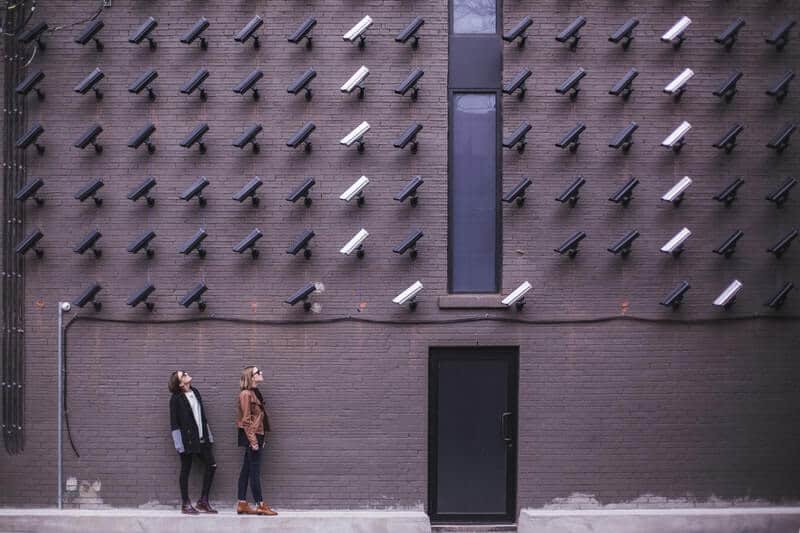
(474, 16)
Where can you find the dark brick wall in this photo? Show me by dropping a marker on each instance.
(616, 409)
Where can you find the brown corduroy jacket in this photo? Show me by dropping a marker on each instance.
(251, 416)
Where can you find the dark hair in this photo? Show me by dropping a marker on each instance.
(174, 383)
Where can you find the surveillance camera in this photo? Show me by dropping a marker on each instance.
(143, 137)
(517, 83)
(196, 136)
(90, 191)
(677, 87)
(623, 246)
(571, 245)
(675, 296)
(728, 36)
(517, 296)
(625, 193)
(30, 84)
(249, 242)
(302, 243)
(194, 243)
(778, 299)
(143, 243)
(356, 190)
(624, 33)
(572, 193)
(780, 142)
(676, 139)
(195, 83)
(90, 32)
(409, 295)
(675, 35)
(571, 32)
(358, 31)
(356, 136)
(303, 295)
(141, 296)
(143, 32)
(248, 31)
(30, 190)
(302, 192)
(410, 84)
(90, 137)
(518, 192)
(624, 86)
(624, 139)
(780, 247)
(780, 36)
(728, 248)
(66, 306)
(249, 84)
(88, 243)
(518, 32)
(728, 194)
(355, 244)
(728, 88)
(249, 191)
(572, 139)
(302, 82)
(301, 137)
(674, 246)
(728, 297)
(143, 191)
(195, 295)
(196, 189)
(199, 27)
(518, 137)
(410, 31)
(35, 33)
(410, 191)
(409, 243)
(144, 82)
(249, 137)
(89, 83)
(409, 136)
(29, 243)
(89, 295)
(728, 141)
(781, 88)
(31, 137)
(781, 194)
(572, 84)
(675, 194)
(356, 81)
(303, 32)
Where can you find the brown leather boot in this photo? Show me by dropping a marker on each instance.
(244, 508)
(203, 506)
(264, 509)
(186, 508)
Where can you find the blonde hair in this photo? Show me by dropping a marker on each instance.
(246, 380)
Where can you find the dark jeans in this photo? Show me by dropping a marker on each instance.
(186, 465)
(251, 471)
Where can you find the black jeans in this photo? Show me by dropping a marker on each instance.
(251, 471)
(207, 456)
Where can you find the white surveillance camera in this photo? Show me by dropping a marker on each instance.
(728, 296)
(675, 194)
(355, 190)
(355, 81)
(356, 136)
(678, 85)
(408, 296)
(674, 35)
(675, 245)
(676, 139)
(517, 296)
(356, 243)
(357, 31)
(66, 306)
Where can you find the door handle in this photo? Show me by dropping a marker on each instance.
(505, 427)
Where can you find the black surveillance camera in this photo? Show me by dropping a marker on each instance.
(249, 191)
(728, 140)
(34, 33)
(571, 245)
(29, 243)
(195, 295)
(728, 88)
(623, 246)
(780, 141)
(517, 194)
(571, 84)
(301, 83)
(624, 33)
(143, 191)
(144, 82)
(517, 83)
(194, 243)
(728, 36)
(30, 190)
(31, 137)
(141, 296)
(572, 193)
(143, 137)
(410, 191)
(624, 86)
(518, 32)
(90, 33)
(30, 84)
(572, 139)
(88, 243)
(249, 243)
(779, 297)
(249, 83)
(90, 137)
(409, 136)
(781, 194)
(195, 83)
(199, 27)
(302, 192)
(571, 32)
(143, 32)
(625, 193)
(302, 243)
(675, 297)
(89, 295)
(517, 137)
(624, 139)
(249, 137)
(196, 190)
(89, 83)
(143, 243)
(410, 84)
(728, 194)
(410, 31)
(303, 295)
(780, 88)
(780, 247)
(780, 36)
(728, 247)
(248, 31)
(301, 137)
(303, 32)
(196, 137)
(409, 243)
(90, 191)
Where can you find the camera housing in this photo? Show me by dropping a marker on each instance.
(355, 244)
(356, 190)
(674, 246)
(302, 243)
(409, 244)
(196, 137)
(143, 137)
(409, 136)
(517, 83)
(409, 296)
(677, 87)
(572, 138)
(624, 33)
(728, 296)
(781, 194)
(196, 190)
(196, 83)
(30, 84)
(410, 191)
(517, 296)
(356, 81)
(676, 34)
(410, 32)
(195, 295)
(728, 194)
(143, 32)
(90, 137)
(29, 243)
(518, 31)
(623, 246)
(31, 137)
(248, 31)
(304, 32)
(518, 192)
(89, 83)
(779, 298)
(303, 295)
(356, 136)
(89, 295)
(89, 242)
(143, 243)
(301, 137)
(302, 83)
(728, 36)
(195, 242)
(141, 296)
(411, 83)
(624, 194)
(358, 31)
(90, 33)
(572, 193)
(90, 191)
(302, 191)
(196, 31)
(249, 83)
(780, 88)
(675, 140)
(780, 141)
(728, 141)
(624, 139)
(249, 191)
(571, 32)
(728, 247)
(249, 137)
(675, 297)
(624, 86)
(571, 246)
(34, 33)
(518, 137)
(780, 247)
(572, 84)
(30, 190)
(249, 243)
(144, 81)
(675, 194)
(728, 88)
(143, 191)
(780, 36)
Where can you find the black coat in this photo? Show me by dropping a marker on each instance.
(182, 423)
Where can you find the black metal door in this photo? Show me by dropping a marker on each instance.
(472, 417)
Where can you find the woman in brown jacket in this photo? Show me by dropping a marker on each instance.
(253, 424)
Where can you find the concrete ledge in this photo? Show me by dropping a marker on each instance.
(690, 520)
(122, 520)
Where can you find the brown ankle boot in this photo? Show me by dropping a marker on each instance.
(264, 509)
(203, 506)
(244, 508)
(186, 508)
